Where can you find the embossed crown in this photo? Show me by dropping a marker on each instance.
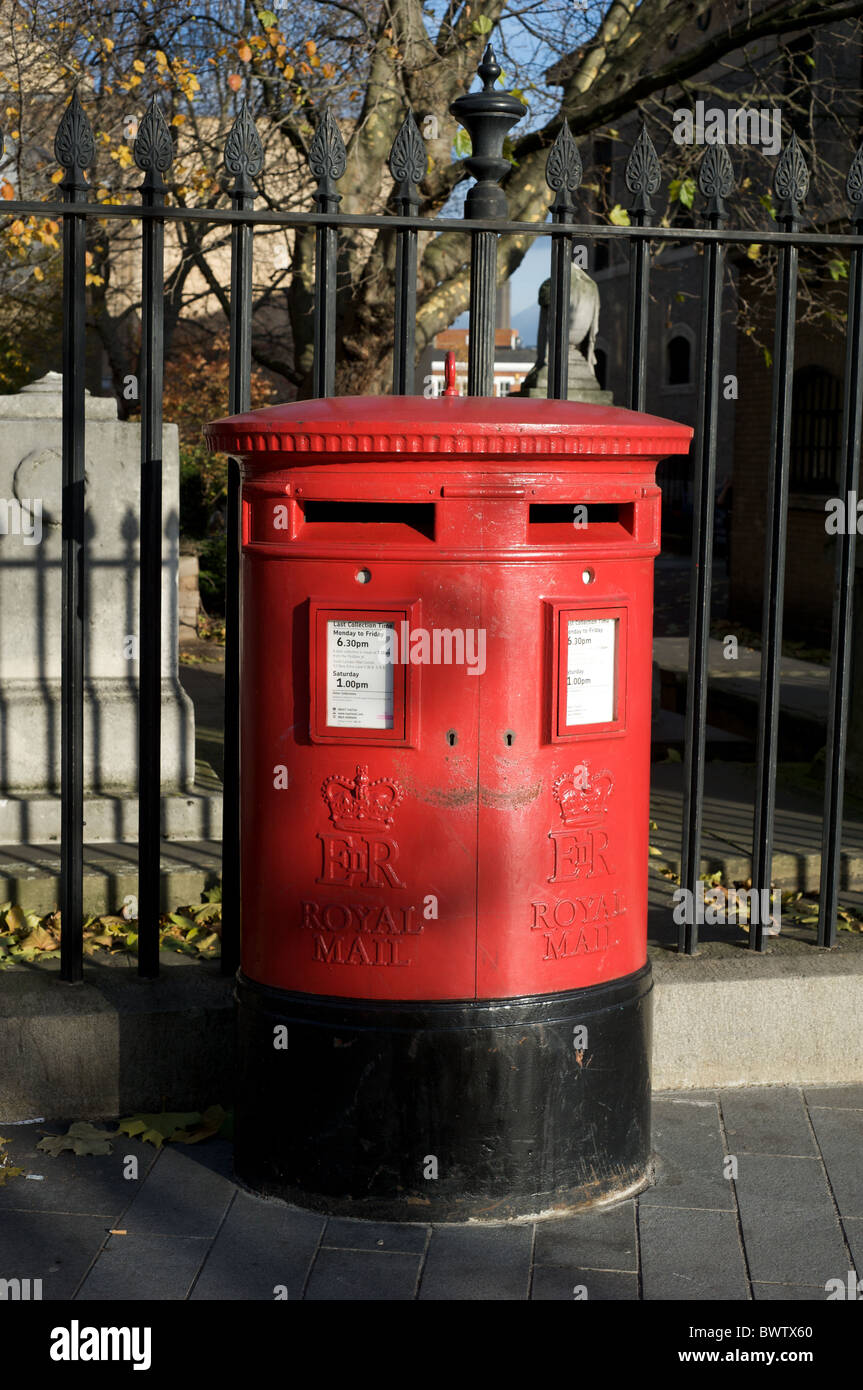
(360, 804)
(582, 795)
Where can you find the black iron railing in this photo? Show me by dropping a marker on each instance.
(488, 114)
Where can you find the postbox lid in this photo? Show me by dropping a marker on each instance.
(467, 426)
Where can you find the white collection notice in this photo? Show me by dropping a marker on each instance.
(590, 670)
(359, 674)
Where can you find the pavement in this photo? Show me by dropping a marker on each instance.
(758, 1196)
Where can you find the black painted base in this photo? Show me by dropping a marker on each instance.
(445, 1111)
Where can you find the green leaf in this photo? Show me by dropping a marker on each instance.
(682, 191)
(462, 145)
(267, 18)
(483, 25)
(618, 216)
(214, 894)
(838, 269)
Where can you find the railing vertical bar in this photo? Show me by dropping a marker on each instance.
(327, 159)
(483, 289)
(74, 150)
(790, 183)
(716, 180)
(843, 599)
(153, 154)
(244, 160)
(642, 180)
(562, 174)
(486, 116)
(407, 164)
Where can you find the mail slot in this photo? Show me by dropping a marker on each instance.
(444, 996)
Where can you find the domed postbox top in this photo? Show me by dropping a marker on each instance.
(504, 429)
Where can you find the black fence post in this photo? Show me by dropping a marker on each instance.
(244, 159)
(642, 179)
(563, 171)
(843, 598)
(790, 184)
(74, 150)
(486, 116)
(327, 160)
(407, 165)
(154, 154)
(715, 180)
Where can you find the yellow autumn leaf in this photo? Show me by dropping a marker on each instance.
(179, 119)
(754, 251)
(139, 66)
(56, 177)
(38, 272)
(315, 62)
(108, 45)
(244, 53)
(91, 279)
(310, 47)
(161, 58)
(288, 71)
(329, 70)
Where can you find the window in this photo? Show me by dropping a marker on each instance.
(816, 431)
(678, 359)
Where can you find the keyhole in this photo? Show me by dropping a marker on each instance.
(452, 738)
(509, 738)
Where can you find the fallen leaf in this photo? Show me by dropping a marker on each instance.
(81, 1138)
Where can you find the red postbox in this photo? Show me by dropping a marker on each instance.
(445, 703)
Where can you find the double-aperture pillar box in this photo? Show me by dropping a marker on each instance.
(446, 694)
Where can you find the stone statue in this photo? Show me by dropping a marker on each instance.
(582, 384)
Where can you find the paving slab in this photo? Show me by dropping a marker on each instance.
(181, 1197)
(568, 1284)
(345, 1233)
(691, 1255)
(767, 1120)
(364, 1276)
(687, 1139)
(144, 1267)
(262, 1251)
(788, 1293)
(834, 1097)
(56, 1247)
(97, 1185)
(477, 1263)
(590, 1240)
(840, 1138)
(788, 1220)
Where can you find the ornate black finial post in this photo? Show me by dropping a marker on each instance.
(715, 180)
(844, 637)
(790, 185)
(407, 166)
(74, 149)
(642, 179)
(244, 159)
(487, 116)
(327, 160)
(563, 175)
(154, 155)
